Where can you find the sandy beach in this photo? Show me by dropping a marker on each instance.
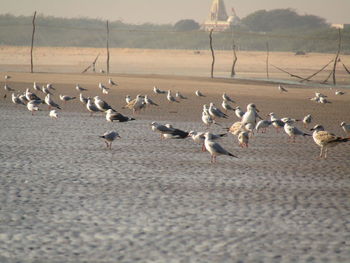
(66, 198)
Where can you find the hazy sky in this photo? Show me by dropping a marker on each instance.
(170, 11)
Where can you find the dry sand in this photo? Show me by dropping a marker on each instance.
(65, 198)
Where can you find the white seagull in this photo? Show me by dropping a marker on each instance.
(109, 137)
(199, 94)
(53, 114)
(225, 97)
(170, 97)
(214, 148)
(346, 128)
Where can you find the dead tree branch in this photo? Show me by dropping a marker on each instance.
(31, 48)
(212, 53)
(91, 65)
(233, 72)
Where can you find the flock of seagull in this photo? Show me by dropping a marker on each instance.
(249, 120)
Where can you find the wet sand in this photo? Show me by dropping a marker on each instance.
(66, 198)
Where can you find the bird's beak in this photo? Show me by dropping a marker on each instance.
(312, 129)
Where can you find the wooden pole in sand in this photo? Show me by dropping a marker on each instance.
(212, 53)
(267, 60)
(31, 48)
(107, 48)
(336, 58)
(233, 72)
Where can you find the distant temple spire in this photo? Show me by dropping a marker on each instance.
(218, 18)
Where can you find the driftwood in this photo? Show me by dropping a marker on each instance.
(91, 65)
(292, 75)
(326, 80)
(267, 59)
(233, 72)
(107, 48)
(336, 58)
(313, 75)
(212, 53)
(31, 48)
(346, 69)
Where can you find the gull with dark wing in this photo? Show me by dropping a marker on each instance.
(91, 107)
(53, 114)
(66, 98)
(282, 89)
(170, 97)
(180, 96)
(149, 101)
(32, 106)
(31, 96)
(158, 91)
(109, 137)
(263, 125)
(346, 128)
(293, 131)
(198, 137)
(104, 89)
(307, 120)
(8, 88)
(45, 90)
(225, 97)
(226, 106)
(325, 139)
(112, 115)
(16, 100)
(83, 99)
(215, 112)
(111, 82)
(50, 102)
(239, 112)
(199, 94)
(79, 88)
(36, 87)
(214, 148)
(101, 104)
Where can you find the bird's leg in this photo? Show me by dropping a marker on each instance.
(325, 153)
(110, 146)
(293, 138)
(106, 144)
(203, 148)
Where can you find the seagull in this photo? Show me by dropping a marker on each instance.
(263, 124)
(109, 137)
(277, 123)
(136, 104)
(293, 131)
(8, 88)
(307, 120)
(227, 106)
(176, 133)
(102, 71)
(91, 106)
(53, 114)
(50, 102)
(214, 148)
(199, 94)
(102, 87)
(170, 97)
(7, 77)
(162, 129)
(207, 119)
(215, 112)
(323, 100)
(180, 96)
(45, 90)
(239, 113)
(111, 82)
(101, 104)
(32, 106)
(198, 137)
(243, 138)
(227, 98)
(23, 98)
(236, 128)
(251, 114)
(325, 139)
(16, 99)
(66, 98)
(112, 115)
(80, 89)
(346, 128)
(49, 86)
(150, 102)
(83, 99)
(127, 99)
(36, 87)
(338, 92)
(31, 96)
(282, 89)
(158, 91)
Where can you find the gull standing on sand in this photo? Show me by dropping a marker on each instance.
(243, 139)
(162, 129)
(226, 106)
(36, 87)
(199, 94)
(50, 102)
(102, 87)
(339, 93)
(53, 114)
(50, 86)
(239, 113)
(112, 115)
(206, 118)
(23, 98)
(158, 91)
(277, 123)
(251, 114)
(109, 137)
(215, 112)
(198, 137)
(325, 139)
(16, 99)
(79, 88)
(293, 131)
(31, 96)
(45, 90)
(66, 98)
(214, 148)
(282, 89)
(225, 97)
(83, 99)
(101, 104)
(8, 88)
(263, 125)
(307, 120)
(111, 82)
(91, 106)
(136, 104)
(149, 101)
(127, 99)
(346, 128)
(170, 97)
(32, 106)
(180, 96)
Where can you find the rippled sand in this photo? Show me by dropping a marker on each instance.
(65, 198)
